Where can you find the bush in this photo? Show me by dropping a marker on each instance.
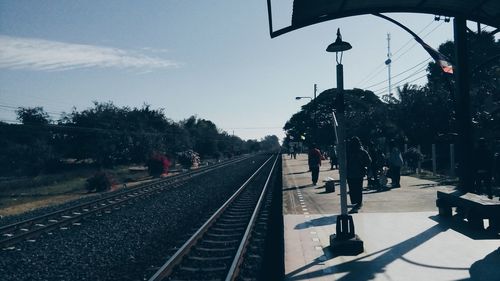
(188, 159)
(158, 164)
(101, 181)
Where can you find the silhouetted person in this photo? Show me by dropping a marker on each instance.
(395, 162)
(314, 161)
(292, 152)
(358, 161)
(483, 164)
(334, 161)
(376, 166)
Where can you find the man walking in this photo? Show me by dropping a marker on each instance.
(314, 161)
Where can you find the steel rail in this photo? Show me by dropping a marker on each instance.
(238, 259)
(69, 215)
(167, 268)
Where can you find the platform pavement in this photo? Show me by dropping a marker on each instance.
(403, 237)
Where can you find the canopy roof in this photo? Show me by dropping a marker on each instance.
(308, 12)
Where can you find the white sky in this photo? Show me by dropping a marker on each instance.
(212, 58)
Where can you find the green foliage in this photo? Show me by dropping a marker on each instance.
(416, 115)
(204, 135)
(188, 159)
(365, 115)
(270, 144)
(484, 66)
(99, 182)
(422, 114)
(105, 135)
(32, 116)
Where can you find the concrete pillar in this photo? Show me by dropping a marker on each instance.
(465, 143)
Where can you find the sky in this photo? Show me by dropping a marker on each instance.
(213, 59)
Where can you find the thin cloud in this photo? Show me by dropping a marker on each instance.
(45, 55)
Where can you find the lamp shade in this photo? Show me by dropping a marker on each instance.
(338, 45)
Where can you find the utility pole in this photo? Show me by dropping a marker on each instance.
(315, 130)
(388, 62)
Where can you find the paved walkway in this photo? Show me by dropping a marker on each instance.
(403, 237)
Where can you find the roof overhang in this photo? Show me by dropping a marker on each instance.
(309, 12)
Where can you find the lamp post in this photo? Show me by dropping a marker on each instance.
(313, 100)
(345, 241)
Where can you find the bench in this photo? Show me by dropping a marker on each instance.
(475, 208)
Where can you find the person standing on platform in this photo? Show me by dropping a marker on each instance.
(292, 151)
(358, 161)
(332, 154)
(395, 163)
(377, 164)
(314, 161)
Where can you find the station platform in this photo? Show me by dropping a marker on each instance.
(404, 239)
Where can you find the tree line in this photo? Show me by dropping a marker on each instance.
(415, 114)
(106, 135)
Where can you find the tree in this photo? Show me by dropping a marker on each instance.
(32, 116)
(421, 115)
(204, 135)
(484, 66)
(366, 117)
(270, 143)
(109, 134)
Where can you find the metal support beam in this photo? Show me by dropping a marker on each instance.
(465, 143)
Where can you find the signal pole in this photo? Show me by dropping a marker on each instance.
(388, 62)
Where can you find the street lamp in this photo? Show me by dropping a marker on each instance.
(345, 241)
(313, 100)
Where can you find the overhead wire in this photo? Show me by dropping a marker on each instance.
(415, 43)
(377, 70)
(397, 75)
(377, 92)
(14, 109)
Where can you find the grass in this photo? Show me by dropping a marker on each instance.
(21, 194)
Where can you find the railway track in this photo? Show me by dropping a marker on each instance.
(217, 249)
(29, 229)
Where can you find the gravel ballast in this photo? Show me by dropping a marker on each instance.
(126, 244)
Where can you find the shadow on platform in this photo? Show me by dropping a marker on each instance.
(360, 269)
(298, 173)
(487, 268)
(461, 226)
(322, 221)
(298, 187)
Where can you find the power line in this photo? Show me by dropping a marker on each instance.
(14, 109)
(382, 65)
(252, 128)
(415, 43)
(413, 40)
(373, 85)
(412, 46)
(399, 82)
(80, 129)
